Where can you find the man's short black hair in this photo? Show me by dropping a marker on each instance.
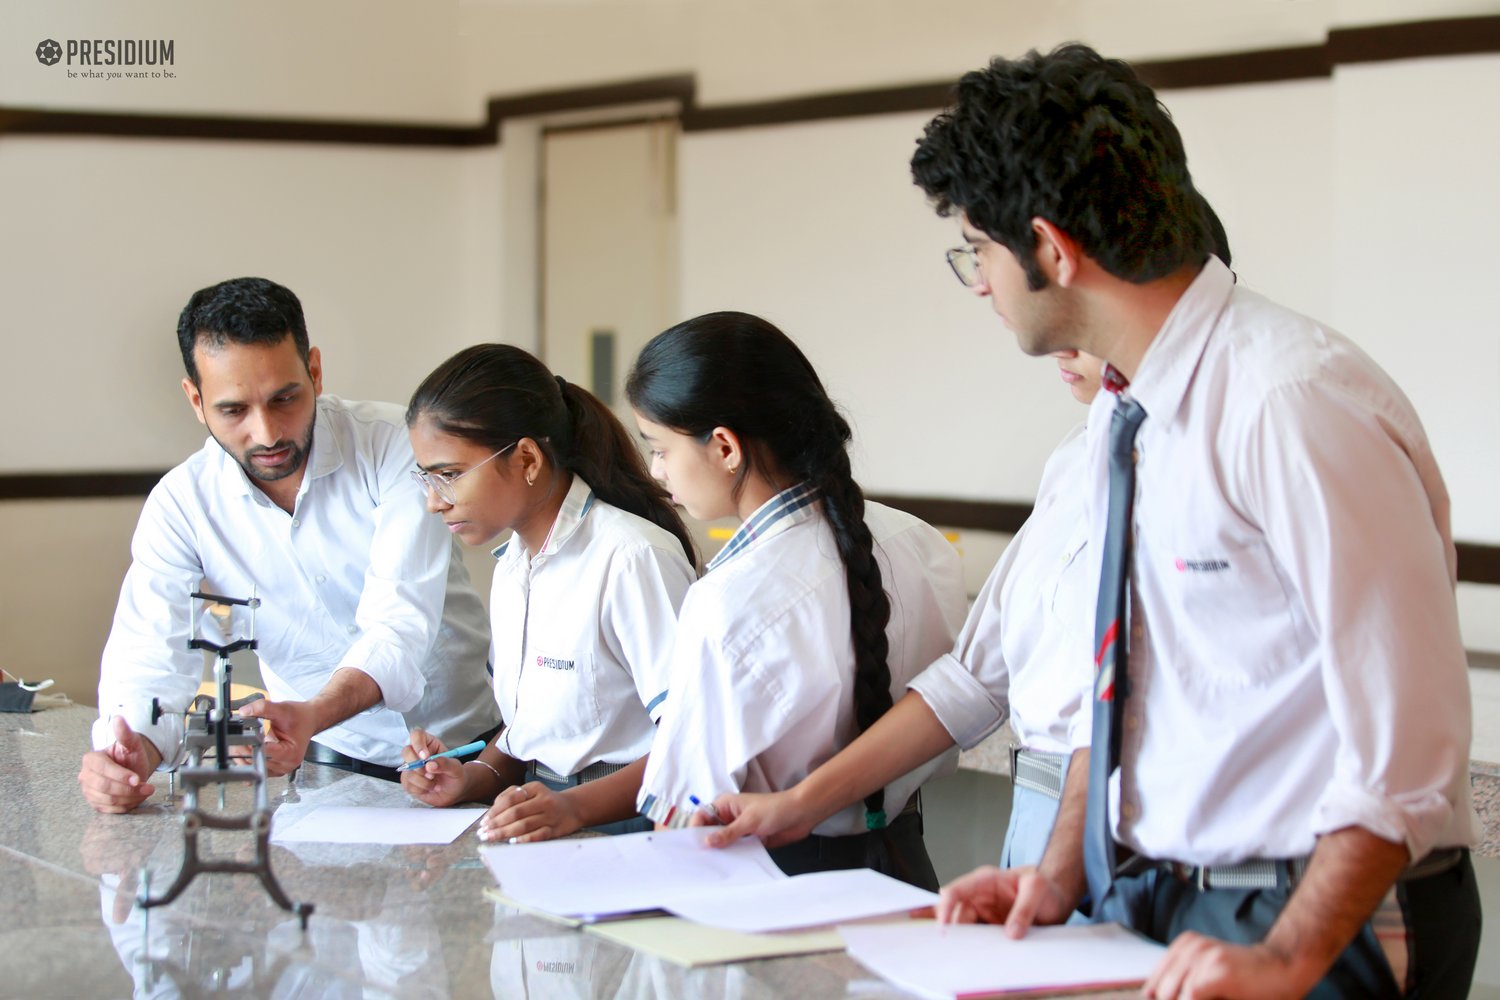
(242, 311)
(1078, 140)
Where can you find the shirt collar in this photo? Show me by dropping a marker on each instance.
(1161, 381)
(791, 506)
(575, 507)
(324, 458)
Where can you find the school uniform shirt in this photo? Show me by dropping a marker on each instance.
(763, 668)
(1295, 664)
(1024, 649)
(358, 575)
(583, 634)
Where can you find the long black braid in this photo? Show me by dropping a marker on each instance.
(734, 370)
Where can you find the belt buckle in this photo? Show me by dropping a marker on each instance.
(1194, 875)
(1015, 753)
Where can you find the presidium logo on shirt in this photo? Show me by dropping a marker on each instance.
(1201, 565)
(553, 663)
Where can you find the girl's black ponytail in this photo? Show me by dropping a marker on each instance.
(496, 394)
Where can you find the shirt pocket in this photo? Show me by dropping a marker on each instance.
(1072, 590)
(1230, 618)
(558, 693)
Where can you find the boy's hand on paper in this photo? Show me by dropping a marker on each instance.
(1198, 967)
(439, 782)
(774, 817)
(113, 780)
(1016, 897)
(527, 813)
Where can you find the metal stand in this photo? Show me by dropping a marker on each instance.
(218, 728)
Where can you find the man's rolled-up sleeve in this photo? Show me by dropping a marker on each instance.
(969, 689)
(147, 655)
(1358, 524)
(401, 604)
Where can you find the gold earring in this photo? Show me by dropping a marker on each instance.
(733, 469)
(530, 481)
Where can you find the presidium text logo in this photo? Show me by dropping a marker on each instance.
(131, 55)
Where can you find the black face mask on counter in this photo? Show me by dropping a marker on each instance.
(15, 698)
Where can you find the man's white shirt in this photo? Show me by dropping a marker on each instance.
(1024, 649)
(360, 574)
(1295, 663)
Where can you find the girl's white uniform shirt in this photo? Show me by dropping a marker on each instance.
(763, 667)
(582, 634)
(1024, 650)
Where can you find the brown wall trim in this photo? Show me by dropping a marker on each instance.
(818, 107)
(1476, 563)
(21, 121)
(682, 88)
(971, 515)
(1455, 36)
(1411, 40)
(1238, 68)
(77, 485)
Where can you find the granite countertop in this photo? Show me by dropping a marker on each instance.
(401, 922)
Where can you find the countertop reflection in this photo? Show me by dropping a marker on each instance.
(399, 922)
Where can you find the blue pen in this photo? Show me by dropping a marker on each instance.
(412, 765)
(708, 807)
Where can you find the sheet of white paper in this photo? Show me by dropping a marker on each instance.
(601, 876)
(978, 960)
(810, 900)
(373, 825)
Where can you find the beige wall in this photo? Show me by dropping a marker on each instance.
(64, 562)
(1347, 199)
(439, 60)
(394, 253)
(385, 60)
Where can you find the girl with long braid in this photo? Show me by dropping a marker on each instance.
(818, 610)
(584, 600)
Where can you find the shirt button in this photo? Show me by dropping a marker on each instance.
(296, 523)
(1132, 722)
(1136, 631)
(1129, 810)
(353, 629)
(321, 578)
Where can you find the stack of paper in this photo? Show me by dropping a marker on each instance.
(737, 888)
(819, 899)
(685, 943)
(601, 877)
(979, 960)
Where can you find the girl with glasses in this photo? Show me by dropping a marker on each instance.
(585, 594)
(818, 610)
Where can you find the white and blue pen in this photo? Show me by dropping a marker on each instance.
(412, 765)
